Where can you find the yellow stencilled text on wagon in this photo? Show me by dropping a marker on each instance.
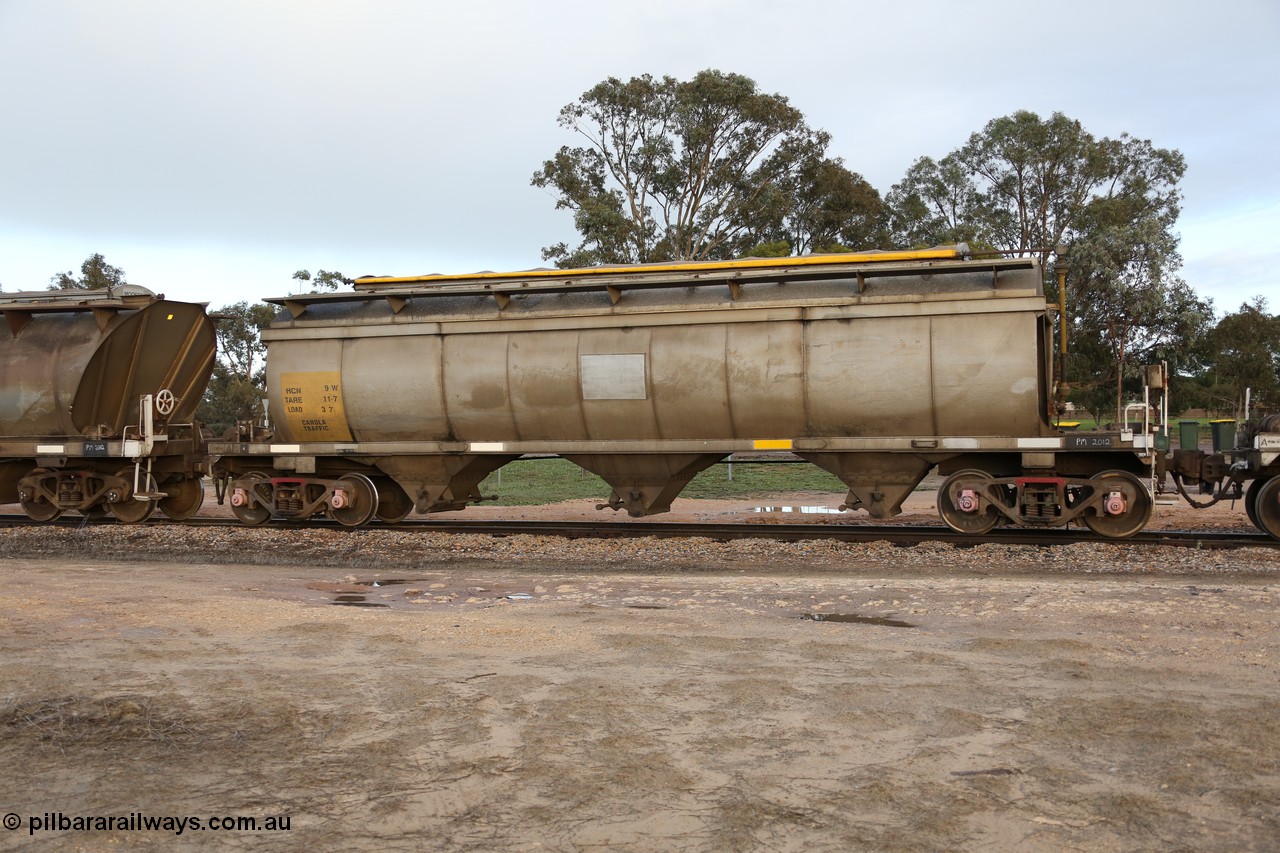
(313, 406)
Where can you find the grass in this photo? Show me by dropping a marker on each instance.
(542, 481)
(1090, 423)
(528, 482)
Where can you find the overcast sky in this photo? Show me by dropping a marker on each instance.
(211, 148)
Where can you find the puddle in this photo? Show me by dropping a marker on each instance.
(804, 510)
(418, 593)
(854, 618)
(645, 606)
(355, 601)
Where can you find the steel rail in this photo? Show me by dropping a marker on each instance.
(903, 535)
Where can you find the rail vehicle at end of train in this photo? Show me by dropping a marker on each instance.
(403, 394)
(98, 390)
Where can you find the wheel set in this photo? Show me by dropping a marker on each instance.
(1262, 502)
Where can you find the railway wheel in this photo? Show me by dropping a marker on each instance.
(250, 513)
(131, 510)
(393, 502)
(1266, 506)
(1126, 505)
(963, 505)
(36, 506)
(1251, 501)
(359, 503)
(184, 498)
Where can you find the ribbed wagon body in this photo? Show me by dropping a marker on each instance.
(876, 366)
(800, 360)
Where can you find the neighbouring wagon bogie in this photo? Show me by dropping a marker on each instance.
(100, 485)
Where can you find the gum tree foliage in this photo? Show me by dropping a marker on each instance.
(237, 388)
(1024, 185)
(1128, 307)
(1243, 351)
(935, 204)
(323, 280)
(697, 169)
(95, 274)
(824, 207)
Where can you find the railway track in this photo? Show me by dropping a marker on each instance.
(903, 535)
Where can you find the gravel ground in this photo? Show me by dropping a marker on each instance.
(397, 549)
(394, 690)
(404, 550)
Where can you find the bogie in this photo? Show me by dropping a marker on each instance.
(350, 499)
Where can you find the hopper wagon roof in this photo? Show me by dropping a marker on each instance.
(855, 267)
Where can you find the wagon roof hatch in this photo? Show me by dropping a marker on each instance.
(18, 308)
(856, 267)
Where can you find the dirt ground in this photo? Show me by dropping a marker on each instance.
(534, 703)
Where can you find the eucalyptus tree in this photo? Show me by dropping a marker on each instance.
(698, 169)
(323, 280)
(1024, 185)
(95, 274)
(1243, 353)
(236, 386)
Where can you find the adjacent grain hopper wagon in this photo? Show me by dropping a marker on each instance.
(405, 393)
(97, 394)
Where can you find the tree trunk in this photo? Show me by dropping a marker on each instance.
(1120, 385)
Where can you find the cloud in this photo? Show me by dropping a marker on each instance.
(287, 132)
